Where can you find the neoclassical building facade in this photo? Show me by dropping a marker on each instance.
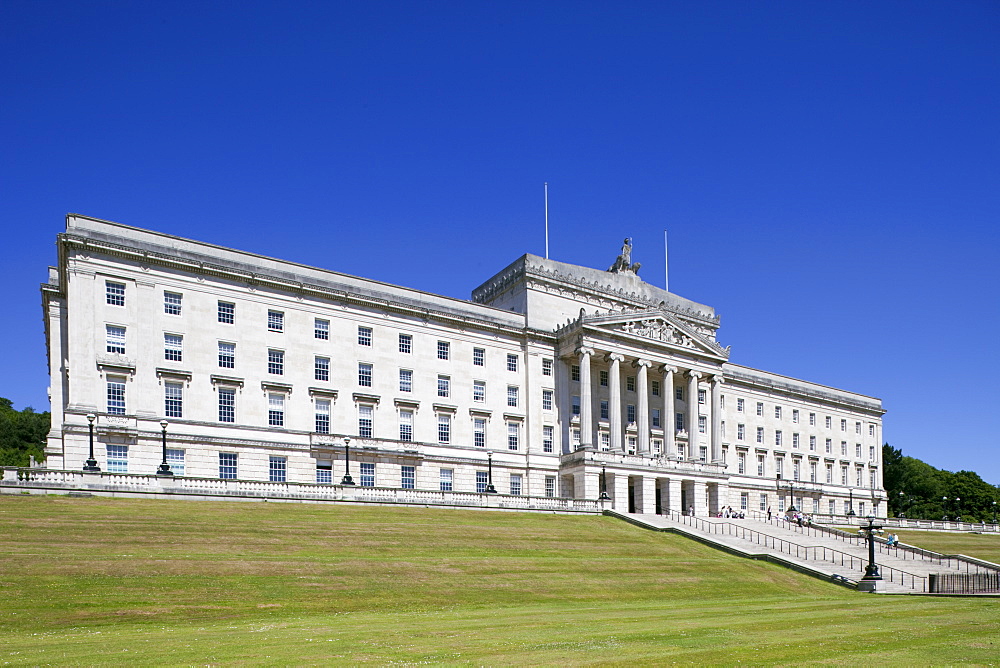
(553, 380)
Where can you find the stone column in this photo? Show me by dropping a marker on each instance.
(642, 410)
(669, 424)
(692, 413)
(673, 500)
(619, 493)
(716, 413)
(615, 405)
(586, 399)
(700, 500)
(646, 495)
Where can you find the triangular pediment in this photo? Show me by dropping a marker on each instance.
(659, 326)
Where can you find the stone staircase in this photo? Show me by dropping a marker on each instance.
(820, 551)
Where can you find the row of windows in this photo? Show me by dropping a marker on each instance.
(779, 466)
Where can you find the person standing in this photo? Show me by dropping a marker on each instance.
(769, 513)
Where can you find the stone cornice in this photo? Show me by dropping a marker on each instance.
(739, 378)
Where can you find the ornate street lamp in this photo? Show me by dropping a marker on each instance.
(850, 507)
(606, 497)
(347, 479)
(490, 489)
(871, 570)
(791, 493)
(958, 509)
(91, 465)
(944, 502)
(902, 506)
(164, 466)
(994, 512)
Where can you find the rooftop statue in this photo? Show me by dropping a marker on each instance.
(624, 262)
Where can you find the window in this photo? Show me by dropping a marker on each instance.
(829, 474)
(276, 362)
(631, 442)
(324, 472)
(812, 471)
(322, 416)
(702, 424)
(227, 355)
(843, 474)
(679, 393)
(550, 485)
(812, 419)
(760, 465)
(275, 321)
(175, 458)
(276, 410)
(444, 350)
(680, 450)
(655, 387)
(630, 414)
(760, 409)
(872, 475)
(795, 415)
(605, 441)
(444, 428)
(763, 503)
(658, 447)
(515, 484)
(405, 380)
(276, 468)
(171, 303)
(408, 477)
(364, 336)
(740, 404)
(479, 391)
(117, 458)
(630, 383)
(857, 428)
(744, 501)
(871, 430)
(321, 329)
(679, 421)
(173, 347)
(777, 412)
(777, 437)
(871, 453)
(781, 504)
(227, 405)
(703, 453)
(513, 435)
(366, 414)
(173, 400)
(322, 370)
(405, 344)
(812, 443)
(479, 432)
(795, 440)
(116, 339)
(779, 465)
(406, 426)
(701, 396)
(843, 448)
(575, 405)
(829, 422)
(656, 417)
(546, 400)
(574, 372)
(444, 386)
(367, 474)
(446, 477)
(512, 396)
(546, 367)
(227, 465)
(760, 434)
(482, 479)
(832, 507)
(479, 357)
(857, 451)
(741, 463)
(843, 425)
(115, 293)
(227, 313)
(547, 438)
(116, 395)
(512, 362)
(829, 446)
(604, 409)
(858, 476)
(603, 377)
(741, 430)
(796, 467)
(364, 374)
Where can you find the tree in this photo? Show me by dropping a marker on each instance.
(22, 434)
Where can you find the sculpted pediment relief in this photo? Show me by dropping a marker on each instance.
(658, 326)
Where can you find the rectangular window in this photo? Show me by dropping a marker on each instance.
(446, 479)
(550, 486)
(227, 405)
(857, 428)
(858, 476)
(760, 409)
(444, 350)
(602, 376)
(832, 507)
(796, 468)
(515, 484)
(513, 435)
(364, 374)
(511, 362)
(546, 400)
(777, 437)
(702, 424)
(227, 465)
(631, 442)
(857, 451)
(276, 410)
(812, 443)
(322, 369)
(276, 468)
(116, 395)
(479, 432)
(275, 321)
(829, 474)
(173, 400)
(630, 414)
(408, 477)
(478, 357)
(871, 430)
(173, 347)
(322, 416)
(444, 386)
(405, 343)
(117, 458)
(843, 425)
(574, 372)
(795, 415)
(405, 380)
(605, 441)
(547, 438)
(658, 447)
(276, 362)
(679, 421)
(630, 383)
(679, 393)
(367, 474)
(795, 440)
(175, 458)
(366, 415)
(575, 405)
(227, 313)
(604, 409)
(324, 473)
(321, 329)
(227, 355)
(871, 453)
(829, 446)
(444, 428)
(703, 453)
(364, 336)
(744, 501)
(779, 466)
(812, 419)
(482, 479)
(760, 465)
(871, 479)
(115, 293)
(406, 426)
(843, 475)
(777, 412)
(812, 471)
(828, 422)
(701, 396)
(654, 387)
(171, 303)
(763, 503)
(760, 434)
(512, 396)
(574, 436)
(741, 463)
(656, 418)
(741, 430)
(479, 391)
(116, 339)
(740, 404)
(546, 367)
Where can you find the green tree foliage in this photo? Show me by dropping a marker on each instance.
(919, 490)
(22, 434)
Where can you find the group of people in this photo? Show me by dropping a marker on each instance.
(728, 512)
(892, 540)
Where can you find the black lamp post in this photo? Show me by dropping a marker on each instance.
(871, 570)
(91, 465)
(850, 507)
(490, 489)
(902, 507)
(347, 479)
(164, 466)
(606, 497)
(791, 493)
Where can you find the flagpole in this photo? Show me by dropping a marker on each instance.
(546, 220)
(666, 264)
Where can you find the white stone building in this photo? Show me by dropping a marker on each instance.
(567, 375)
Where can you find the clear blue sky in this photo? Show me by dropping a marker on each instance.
(828, 172)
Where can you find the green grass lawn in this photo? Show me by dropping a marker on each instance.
(143, 582)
